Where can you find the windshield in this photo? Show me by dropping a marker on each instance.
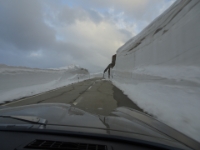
(130, 67)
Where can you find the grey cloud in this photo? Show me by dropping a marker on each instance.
(95, 16)
(22, 25)
(126, 33)
(29, 27)
(68, 15)
(59, 14)
(23, 32)
(138, 10)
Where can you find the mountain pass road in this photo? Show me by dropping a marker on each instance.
(97, 96)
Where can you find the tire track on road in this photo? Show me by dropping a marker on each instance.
(79, 98)
(57, 95)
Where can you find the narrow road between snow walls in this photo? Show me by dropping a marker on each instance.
(97, 96)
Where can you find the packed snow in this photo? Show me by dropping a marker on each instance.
(18, 82)
(159, 69)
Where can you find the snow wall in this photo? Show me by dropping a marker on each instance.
(172, 39)
(18, 82)
(159, 69)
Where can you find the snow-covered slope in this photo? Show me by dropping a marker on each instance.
(17, 82)
(159, 69)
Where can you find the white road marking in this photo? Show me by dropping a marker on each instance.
(78, 100)
(89, 88)
(28, 97)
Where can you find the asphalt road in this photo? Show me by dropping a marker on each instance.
(96, 96)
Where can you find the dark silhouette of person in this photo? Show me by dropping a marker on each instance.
(111, 65)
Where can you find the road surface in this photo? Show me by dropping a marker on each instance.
(98, 96)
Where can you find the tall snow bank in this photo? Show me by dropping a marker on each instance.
(18, 82)
(159, 69)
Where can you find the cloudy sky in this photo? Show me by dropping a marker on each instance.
(58, 33)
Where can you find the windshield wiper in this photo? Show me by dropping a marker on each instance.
(32, 119)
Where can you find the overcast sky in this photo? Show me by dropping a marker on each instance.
(58, 33)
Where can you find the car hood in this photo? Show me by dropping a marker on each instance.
(121, 122)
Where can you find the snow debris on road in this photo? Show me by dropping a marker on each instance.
(18, 82)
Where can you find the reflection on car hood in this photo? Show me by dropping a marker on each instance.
(66, 117)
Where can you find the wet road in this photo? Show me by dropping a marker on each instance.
(97, 96)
